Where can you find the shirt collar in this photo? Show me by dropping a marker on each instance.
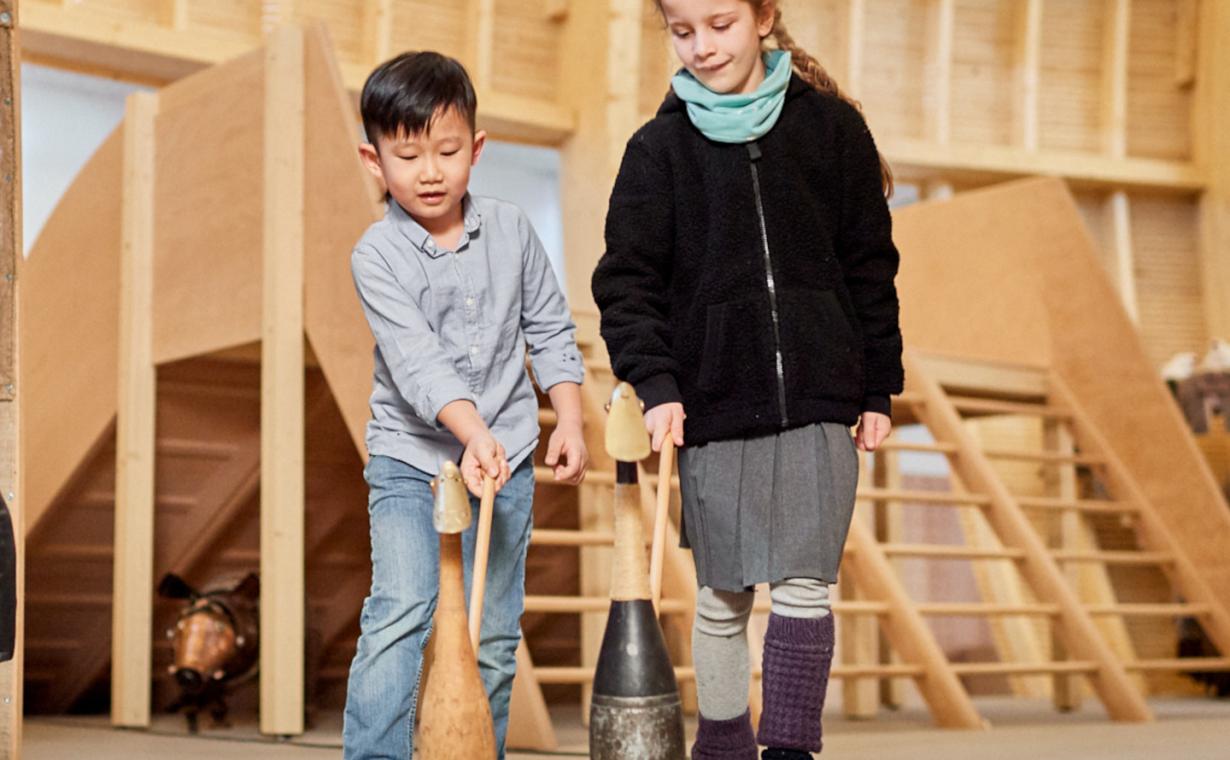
(421, 239)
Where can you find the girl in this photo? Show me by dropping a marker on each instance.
(748, 279)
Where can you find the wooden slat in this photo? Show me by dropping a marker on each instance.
(934, 551)
(1118, 14)
(982, 609)
(1182, 664)
(135, 446)
(1083, 505)
(989, 406)
(891, 444)
(938, 67)
(1150, 610)
(1023, 668)
(582, 675)
(923, 497)
(579, 604)
(1029, 66)
(1118, 216)
(1049, 457)
(1114, 557)
(282, 391)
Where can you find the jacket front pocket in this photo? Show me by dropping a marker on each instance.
(823, 348)
(734, 361)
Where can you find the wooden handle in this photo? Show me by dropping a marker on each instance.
(666, 465)
(482, 545)
(629, 570)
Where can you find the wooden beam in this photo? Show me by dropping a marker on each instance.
(377, 31)
(11, 671)
(855, 35)
(1117, 29)
(282, 390)
(938, 67)
(1212, 150)
(131, 642)
(997, 163)
(480, 41)
(1029, 66)
(1118, 222)
(860, 640)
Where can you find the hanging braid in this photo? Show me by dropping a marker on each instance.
(810, 70)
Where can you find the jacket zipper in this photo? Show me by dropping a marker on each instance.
(753, 151)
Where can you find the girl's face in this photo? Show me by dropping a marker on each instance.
(718, 41)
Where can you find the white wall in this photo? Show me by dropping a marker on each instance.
(66, 116)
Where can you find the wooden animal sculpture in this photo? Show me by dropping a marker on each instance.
(216, 642)
(635, 713)
(454, 717)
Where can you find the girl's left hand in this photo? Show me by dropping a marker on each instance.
(873, 428)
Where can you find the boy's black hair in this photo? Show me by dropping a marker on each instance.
(408, 91)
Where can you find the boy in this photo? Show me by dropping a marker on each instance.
(453, 287)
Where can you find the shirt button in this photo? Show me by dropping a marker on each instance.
(469, 300)
(474, 349)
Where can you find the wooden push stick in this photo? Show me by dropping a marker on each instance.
(482, 546)
(455, 715)
(666, 464)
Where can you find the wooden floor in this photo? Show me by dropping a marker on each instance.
(1192, 729)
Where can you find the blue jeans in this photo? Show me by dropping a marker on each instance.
(382, 694)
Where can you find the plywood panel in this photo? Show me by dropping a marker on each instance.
(1071, 77)
(207, 274)
(76, 254)
(426, 25)
(526, 50)
(1167, 272)
(1159, 110)
(334, 222)
(892, 85)
(983, 69)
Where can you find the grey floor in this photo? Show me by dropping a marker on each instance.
(1185, 729)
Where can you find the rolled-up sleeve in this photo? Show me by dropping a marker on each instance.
(418, 363)
(545, 318)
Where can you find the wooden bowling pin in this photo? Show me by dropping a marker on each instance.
(635, 712)
(454, 715)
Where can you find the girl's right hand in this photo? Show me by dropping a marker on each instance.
(663, 419)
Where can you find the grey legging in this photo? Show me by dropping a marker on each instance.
(719, 639)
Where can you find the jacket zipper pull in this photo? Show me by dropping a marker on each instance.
(753, 150)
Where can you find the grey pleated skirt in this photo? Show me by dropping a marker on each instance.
(760, 510)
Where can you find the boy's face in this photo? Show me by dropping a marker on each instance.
(427, 173)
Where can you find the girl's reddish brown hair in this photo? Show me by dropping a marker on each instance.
(809, 70)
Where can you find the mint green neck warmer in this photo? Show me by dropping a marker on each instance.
(737, 117)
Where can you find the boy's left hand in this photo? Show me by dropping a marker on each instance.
(873, 428)
(566, 453)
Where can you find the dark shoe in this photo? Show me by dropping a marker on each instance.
(730, 739)
(776, 753)
(798, 653)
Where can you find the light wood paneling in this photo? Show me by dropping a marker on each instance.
(1069, 88)
(891, 86)
(1167, 274)
(1158, 109)
(983, 72)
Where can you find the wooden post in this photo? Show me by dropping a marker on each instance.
(1212, 153)
(860, 639)
(480, 42)
(855, 25)
(132, 616)
(1119, 233)
(1029, 66)
(282, 390)
(1117, 25)
(10, 258)
(939, 71)
(377, 31)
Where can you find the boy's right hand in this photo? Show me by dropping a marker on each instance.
(664, 419)
(484, 455)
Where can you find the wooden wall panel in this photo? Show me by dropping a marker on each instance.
(527, 50)
(1159, 110)
(241, 17)
(207, 273)
(820, 27)
(346, 24)
(658, 62)
(892, 82)
(983, 69)
(426, 25)
(1069, 96)
(1167, 268)
(151, 11)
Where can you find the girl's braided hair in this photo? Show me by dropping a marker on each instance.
(810, 71)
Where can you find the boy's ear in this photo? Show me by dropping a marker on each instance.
(480, 140)
(370, 158)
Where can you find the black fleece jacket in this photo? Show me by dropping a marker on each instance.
(753, 283)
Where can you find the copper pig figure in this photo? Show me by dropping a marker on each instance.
(216, 643)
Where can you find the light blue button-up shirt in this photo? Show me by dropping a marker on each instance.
(455, 325)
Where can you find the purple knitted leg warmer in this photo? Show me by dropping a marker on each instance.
(730, 739)
(797, 656)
